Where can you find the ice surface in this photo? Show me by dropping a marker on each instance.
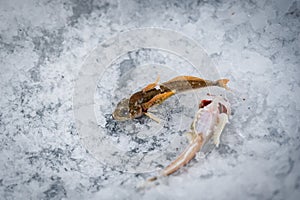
(43, 46)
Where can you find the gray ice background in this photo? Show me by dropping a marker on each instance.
(43, 45)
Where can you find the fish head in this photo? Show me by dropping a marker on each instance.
(220, 102)
(122, 111)
(126, 111)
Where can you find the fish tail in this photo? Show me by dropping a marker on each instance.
(186, 156)
(223, 83)
(154, 178)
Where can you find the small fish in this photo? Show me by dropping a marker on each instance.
(208, 123)
(155, 93)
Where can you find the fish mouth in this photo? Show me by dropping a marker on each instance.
(118, 117)
(121, 113)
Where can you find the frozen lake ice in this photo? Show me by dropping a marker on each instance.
(44, 47)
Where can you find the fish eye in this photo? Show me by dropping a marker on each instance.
(124, 112)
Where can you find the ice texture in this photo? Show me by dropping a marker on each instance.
(43, 46)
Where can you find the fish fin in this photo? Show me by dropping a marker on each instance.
(151, 85)
(158, 99)
(187, 78)
(223, 83)
(186, 156)
(177, 78)
(223, 119)
(155, 178)
(153, 117)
